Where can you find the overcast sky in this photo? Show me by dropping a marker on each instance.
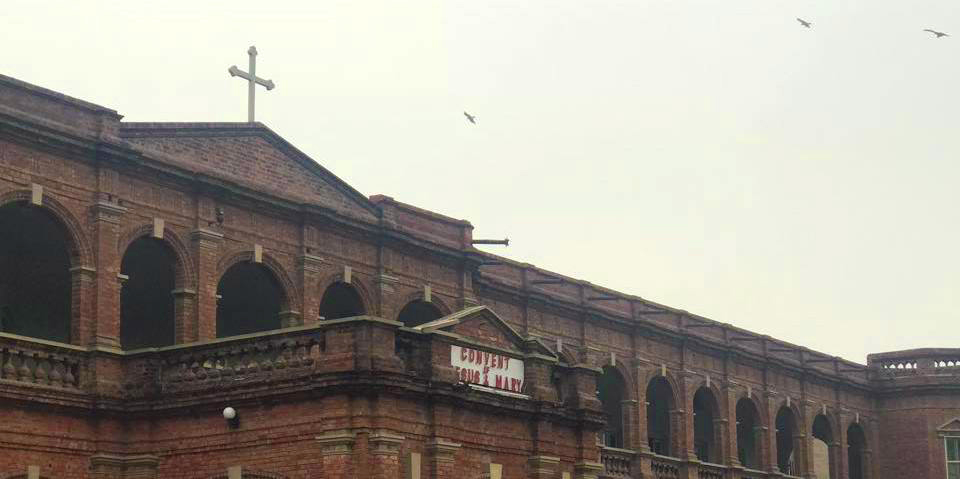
(713, 156)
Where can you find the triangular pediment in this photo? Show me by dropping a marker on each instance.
(252, 156)
(951, 426)
(479, 324)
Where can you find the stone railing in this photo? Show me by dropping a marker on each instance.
(915, 362)
(616, 462)
(665, 467)
(252, 357)
(37, 362)
(710, 471)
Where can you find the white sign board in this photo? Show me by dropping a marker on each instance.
(487, 369)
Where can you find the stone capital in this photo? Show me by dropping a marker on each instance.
(311, 263)
(337, 443)
(206, 237)
(107, 212)
(385, 443)
(587, 470)
(443, 450)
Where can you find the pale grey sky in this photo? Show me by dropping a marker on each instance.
(713, 156)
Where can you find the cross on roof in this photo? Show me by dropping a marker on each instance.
(252, 79)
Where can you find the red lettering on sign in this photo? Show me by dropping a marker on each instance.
(463, 354)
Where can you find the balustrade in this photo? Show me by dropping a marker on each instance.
(252, 359)
(40, 362)
(710, 471)
(616, 462)
(752, 474)
(665, 467)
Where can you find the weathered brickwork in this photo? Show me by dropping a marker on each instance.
(364, 394)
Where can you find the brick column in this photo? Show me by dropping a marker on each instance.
(384, 449)
(678, 435)
(106, 326)
(83, 314)
(442, 458)
(309, 268)
(336, 449)
(731, 444)
(770, 459)
(206, 251)
(629, 411)
(184, 315)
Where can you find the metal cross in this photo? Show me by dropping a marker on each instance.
(253, 79)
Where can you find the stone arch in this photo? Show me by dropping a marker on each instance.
(749, 417)
(46, 277)
(240, 312)
(612, 390)
(81, 253)
(823, 441)
(706, 402)
(417, 297)
(358, 286)
(290, 296)
(857, 446)
(185, 276)
(664, 424)
(787, 431)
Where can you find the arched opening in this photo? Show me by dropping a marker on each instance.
(341, 300)
(249, 299)
(35, 284)
(705, 411)
(786, 430)
(418, 312)
(822, 439)
(611, 392)
(856, 443)
(659, 405)
(748, 434)
(146, 299)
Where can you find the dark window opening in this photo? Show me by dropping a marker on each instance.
(659, 404)
(610, 392)
(35, 283)
(786, 428)
(704, 410)
(748, 430)
(856, 443)
(146, 298)
(340, 300)
(249, 298)
(418, 312)
(823, 434)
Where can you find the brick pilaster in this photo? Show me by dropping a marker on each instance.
(336, 450)
(206, 251)
(442, 454)
(384, 454)
(106, 325)
(308, 269)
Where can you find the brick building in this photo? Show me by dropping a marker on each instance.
(154, 274)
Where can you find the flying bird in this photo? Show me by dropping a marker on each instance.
(804, 22)
(470, 117)
(938, 34)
